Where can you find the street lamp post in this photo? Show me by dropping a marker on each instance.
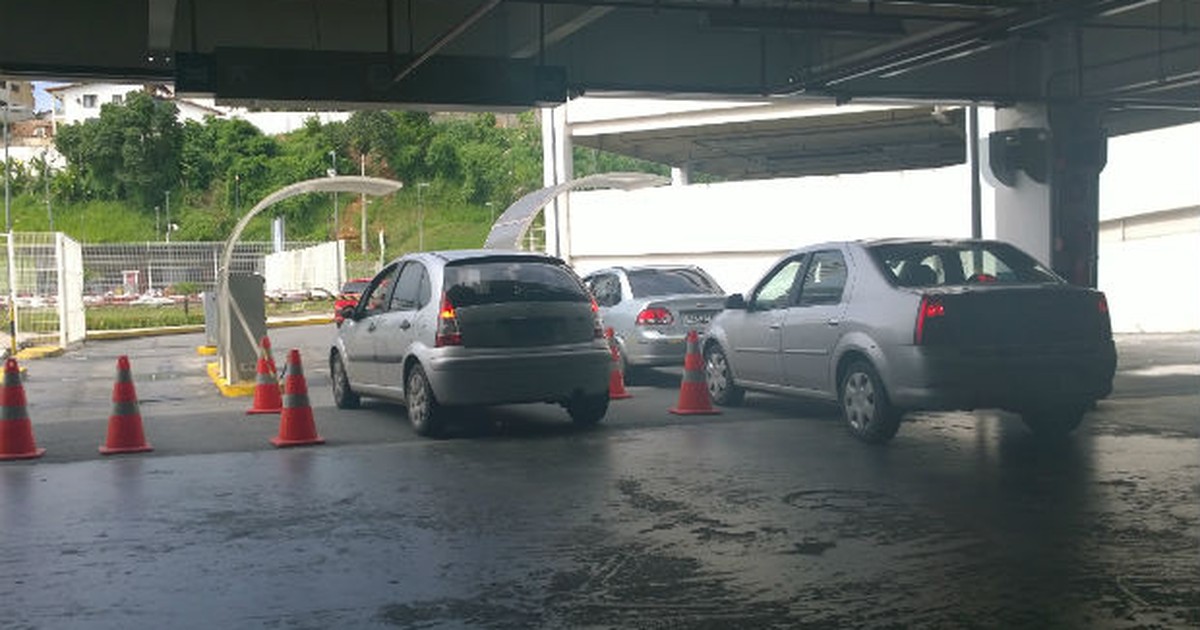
(421, 216)
(333, 173)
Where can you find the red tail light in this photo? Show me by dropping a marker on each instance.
(654, 316)
(597, 327)
(1102, 304)
(448, 333)
(931, 308)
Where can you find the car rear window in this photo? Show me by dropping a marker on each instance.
(354, 287)
(956, 263)
(494, 282)
(650, 282)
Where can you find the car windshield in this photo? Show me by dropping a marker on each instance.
(956, 263)
(651, 282)
(492, 282)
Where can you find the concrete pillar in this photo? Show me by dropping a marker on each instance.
(557, 167)
(1022, 214)
(681, 175)
(1046, 163)
(1078, 151)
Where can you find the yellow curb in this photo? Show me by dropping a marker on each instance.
(229, 390)
(38, 352)
(130, 333)
(206, 351)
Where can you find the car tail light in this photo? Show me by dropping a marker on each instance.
(597, 327)
(654, 316)
(931, 308)
(448, 333)
(1102, 304)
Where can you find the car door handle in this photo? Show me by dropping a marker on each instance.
(775, 326)
(371, 327)
(405, 325)
(833, 321)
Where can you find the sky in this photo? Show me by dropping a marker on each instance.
(42, 100)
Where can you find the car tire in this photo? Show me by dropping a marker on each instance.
(344, 396)
(719, 378)
(1054, 422)
(586, 411)
(423, 410)
(866, 409)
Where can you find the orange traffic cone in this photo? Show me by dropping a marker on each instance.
(296, 425)
(16, 431)
(693, 391)
(267, 397)
(265, 344)
(616, 379)
(125, 433)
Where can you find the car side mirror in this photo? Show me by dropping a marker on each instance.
(735, 302)
(347, 312)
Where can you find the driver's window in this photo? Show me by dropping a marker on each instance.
(375, 298)
(776, 291)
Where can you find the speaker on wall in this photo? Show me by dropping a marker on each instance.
(1020, 149)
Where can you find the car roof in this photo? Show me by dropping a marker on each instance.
(455, 255)
(654, 267)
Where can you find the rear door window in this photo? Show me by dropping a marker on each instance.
(824, 280)
(500, 281)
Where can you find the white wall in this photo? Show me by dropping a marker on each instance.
(735, 230)
(318, 267)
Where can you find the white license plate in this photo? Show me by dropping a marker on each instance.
(694, 318)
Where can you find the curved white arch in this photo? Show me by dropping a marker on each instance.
(512, 225)
(351, 183)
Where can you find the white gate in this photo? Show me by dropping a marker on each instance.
(42, 282)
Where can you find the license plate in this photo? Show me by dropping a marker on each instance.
(696, 318)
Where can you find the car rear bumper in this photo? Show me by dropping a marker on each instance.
(469, 377)
(653, 347)
(937, 378)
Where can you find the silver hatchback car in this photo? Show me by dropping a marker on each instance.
(435, 330)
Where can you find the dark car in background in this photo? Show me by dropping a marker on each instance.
(890, 326)
(651, 309)
(457, 329)
(348, 296)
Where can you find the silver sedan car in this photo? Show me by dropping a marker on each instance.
(437, 330)
(652, 308)
(890, 326)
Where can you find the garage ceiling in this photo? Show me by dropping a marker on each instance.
(1138, 60)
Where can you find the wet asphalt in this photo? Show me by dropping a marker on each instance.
(767, 516)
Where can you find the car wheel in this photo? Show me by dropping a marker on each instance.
(423, 409)
(719, 377)
(865, 406)
(343, 395)
(629, 373)
(586, 411)
(1053, 421)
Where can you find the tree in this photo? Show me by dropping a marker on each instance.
(130, 152)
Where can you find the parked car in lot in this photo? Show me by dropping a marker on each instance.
(439, 330)
(652, 308)
(348, 296)
(890, 326)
